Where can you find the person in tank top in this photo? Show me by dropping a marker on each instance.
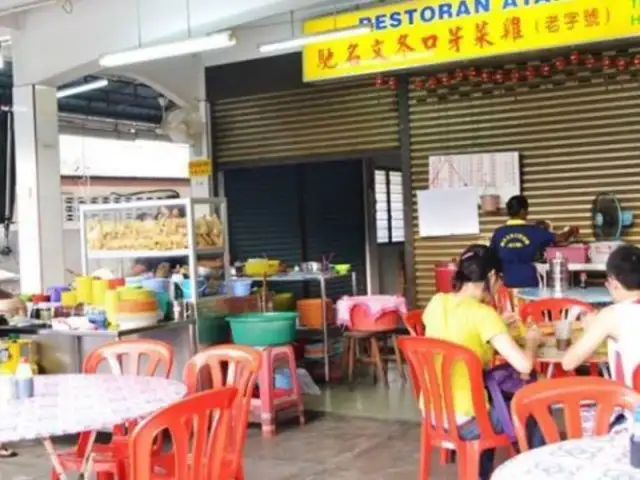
(617, 324)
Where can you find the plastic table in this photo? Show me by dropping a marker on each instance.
(593, 295)
(70, 404)
(589, 458)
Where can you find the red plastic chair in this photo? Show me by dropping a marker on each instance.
(636, 379)
(197, 426)
(228, 366)
(551, 309)
(503, 299)
(134, 357)
(413, 321)
(548, 310)
(536, 399)
(430, 365)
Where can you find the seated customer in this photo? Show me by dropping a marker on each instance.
(618, 323)
(463, 318)
(495, 284)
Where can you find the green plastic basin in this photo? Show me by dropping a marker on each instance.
(263, 329)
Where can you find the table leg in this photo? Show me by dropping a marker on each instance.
(48, 446)
(354, 284)
(325, 328)
(87, 461)
(78, 353)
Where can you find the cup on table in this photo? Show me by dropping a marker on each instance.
(563, 332)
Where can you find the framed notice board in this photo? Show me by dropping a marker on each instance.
(491, 173)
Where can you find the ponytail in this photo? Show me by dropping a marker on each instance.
(474, 266)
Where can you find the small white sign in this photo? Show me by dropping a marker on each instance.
(445, 212)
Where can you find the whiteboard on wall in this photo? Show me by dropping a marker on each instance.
(491, 173)
(446, 212)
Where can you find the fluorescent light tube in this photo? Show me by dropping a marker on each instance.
(166, 50)
(85, 87)
(297, 42)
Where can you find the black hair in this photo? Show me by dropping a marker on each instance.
(475, 265)
(489, 255)
(623, 265)
(517, 205)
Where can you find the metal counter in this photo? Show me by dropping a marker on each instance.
(62, 351)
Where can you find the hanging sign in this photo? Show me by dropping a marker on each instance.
(200, 167)
(427, 32)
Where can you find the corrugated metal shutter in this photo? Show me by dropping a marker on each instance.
(297, 213)
(317, 120)
(264, 214)
(575, 140)
(333, 199)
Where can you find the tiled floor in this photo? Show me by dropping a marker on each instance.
(367, 432)
(366, 399)
(329, 447)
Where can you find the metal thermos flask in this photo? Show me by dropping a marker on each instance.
(558, 274)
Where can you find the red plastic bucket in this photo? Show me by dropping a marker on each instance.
(363, 321)
(444, 272)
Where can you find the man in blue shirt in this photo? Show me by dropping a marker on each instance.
(519, 243)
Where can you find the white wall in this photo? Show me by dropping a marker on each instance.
(104, 157)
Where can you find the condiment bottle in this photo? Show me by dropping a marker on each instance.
(24, 380)
(7, 387)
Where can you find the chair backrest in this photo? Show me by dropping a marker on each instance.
(132, 357)
(197, 427)
(413, 321)
(551, 309)
(536, 399)
(636, 378)
(431, 365)
(227, 366)
(503, 299)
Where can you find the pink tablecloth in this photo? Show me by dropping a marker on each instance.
(377, 305)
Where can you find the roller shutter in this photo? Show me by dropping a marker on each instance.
(333, 199)
(313, 121)
(575, 139)
(264, 214)
(297, 213)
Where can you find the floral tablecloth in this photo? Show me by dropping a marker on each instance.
(594, 458)
(68, 404)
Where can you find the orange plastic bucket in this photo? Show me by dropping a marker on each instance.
(363, 321)
(310, 312)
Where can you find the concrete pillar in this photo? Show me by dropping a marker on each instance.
(202, 186)
(39, 203)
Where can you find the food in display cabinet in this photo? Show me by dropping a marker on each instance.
(166, 232)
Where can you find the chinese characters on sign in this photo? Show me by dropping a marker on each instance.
(200, 167)
(418, 35)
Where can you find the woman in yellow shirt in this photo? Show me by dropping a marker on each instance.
(462, 317)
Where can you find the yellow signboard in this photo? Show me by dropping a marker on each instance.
(426, 32)
(200, 167)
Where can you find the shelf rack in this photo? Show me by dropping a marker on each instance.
(193, 207)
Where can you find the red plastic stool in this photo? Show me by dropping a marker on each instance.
(270, 399)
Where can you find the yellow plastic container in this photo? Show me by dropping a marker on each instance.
(98, 291)
(84, 290)
(11, 351)
(258, 267)
(111, 305)
(69, 299)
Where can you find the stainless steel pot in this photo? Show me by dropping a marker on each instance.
(311, 267)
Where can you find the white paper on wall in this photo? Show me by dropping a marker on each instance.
(450, 211)
(492, 173)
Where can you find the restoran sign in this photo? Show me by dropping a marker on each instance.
(429, 32)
